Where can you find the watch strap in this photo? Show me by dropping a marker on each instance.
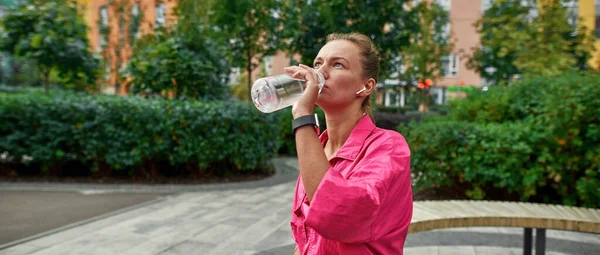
(305, 120)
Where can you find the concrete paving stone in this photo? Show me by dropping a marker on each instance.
(219, 215)
(276, 239)
(255, 220)
(242, 220)
(490, 250)
(217, 234)
(457, 250)
(429, 250)
(165, 239)
(269, 206)
(91, 227)
(246, 238)
(258, 231)
(98, 245)
(280, 250)
(287, 227)
(550, 233)
(285, 197)
(264, 195)
(186, 247)
(20, 249)
(573, 236)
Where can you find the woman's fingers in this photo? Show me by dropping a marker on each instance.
(303, 72)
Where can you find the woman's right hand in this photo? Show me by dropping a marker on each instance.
(306, 103)
(296, 252)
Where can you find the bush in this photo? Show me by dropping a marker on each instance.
(131, 134)
(286, 136)
(476, 157)
(538, 139)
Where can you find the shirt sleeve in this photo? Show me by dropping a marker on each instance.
(344, 209)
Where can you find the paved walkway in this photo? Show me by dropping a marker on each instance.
(248, 220)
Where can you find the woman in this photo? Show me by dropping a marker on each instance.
(353, 195)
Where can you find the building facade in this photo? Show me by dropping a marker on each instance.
(101, 14)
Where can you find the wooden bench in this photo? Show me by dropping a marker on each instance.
(430, 215)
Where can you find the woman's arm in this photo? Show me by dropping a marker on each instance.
(311, 157)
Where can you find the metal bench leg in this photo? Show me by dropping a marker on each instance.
(540, 241)
(527, 238)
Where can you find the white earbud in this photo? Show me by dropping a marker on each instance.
(361, 90)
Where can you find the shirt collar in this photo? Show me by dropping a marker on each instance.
(355, 141)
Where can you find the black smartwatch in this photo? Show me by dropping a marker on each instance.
(306, 120)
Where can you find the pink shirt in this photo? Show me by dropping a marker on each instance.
(363, 204)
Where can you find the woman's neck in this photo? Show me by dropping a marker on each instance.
(339, 127)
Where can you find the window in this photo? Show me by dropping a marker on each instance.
(450, 65)
(572, 7)
(234, 75)
(486, 4)
(533, 10)
(103, 28)
(445, 4)
(161, 11)
(134, 24)
(268, 61)
(597, 30)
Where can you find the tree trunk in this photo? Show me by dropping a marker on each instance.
(46, 80)
(249, 70)
(176, 94)
(424, 106)
(117, 83)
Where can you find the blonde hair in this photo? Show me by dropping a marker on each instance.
(369, 57)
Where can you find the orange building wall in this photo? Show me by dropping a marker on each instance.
(92, 17)
(463, 14)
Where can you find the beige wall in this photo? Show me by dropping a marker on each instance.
(463, 14)
(587, 11)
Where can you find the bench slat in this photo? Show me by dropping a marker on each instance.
(428, 215)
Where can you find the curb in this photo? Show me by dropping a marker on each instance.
(286, 170)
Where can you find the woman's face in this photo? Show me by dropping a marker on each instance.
(340, 63)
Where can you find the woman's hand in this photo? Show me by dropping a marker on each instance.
(296, 251)
(306, 103)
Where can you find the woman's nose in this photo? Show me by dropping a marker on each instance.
(323, 71)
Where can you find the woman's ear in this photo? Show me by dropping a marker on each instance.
(369, 86)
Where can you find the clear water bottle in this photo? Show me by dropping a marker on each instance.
(276, 92)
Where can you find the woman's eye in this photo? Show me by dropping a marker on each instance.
(317, 65)
(338, 65)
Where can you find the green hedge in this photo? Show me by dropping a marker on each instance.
(536, 140)
(286, 136)
(135, 134)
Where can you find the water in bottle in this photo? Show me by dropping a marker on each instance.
(276, 92)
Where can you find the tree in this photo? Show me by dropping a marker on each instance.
(389, 23)
(54, 36)
(502, 29)
(163, 62)
(549, 49)
(432, 42)
(184, 59)
(114, 48)
(515, 41)
(251, 29)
